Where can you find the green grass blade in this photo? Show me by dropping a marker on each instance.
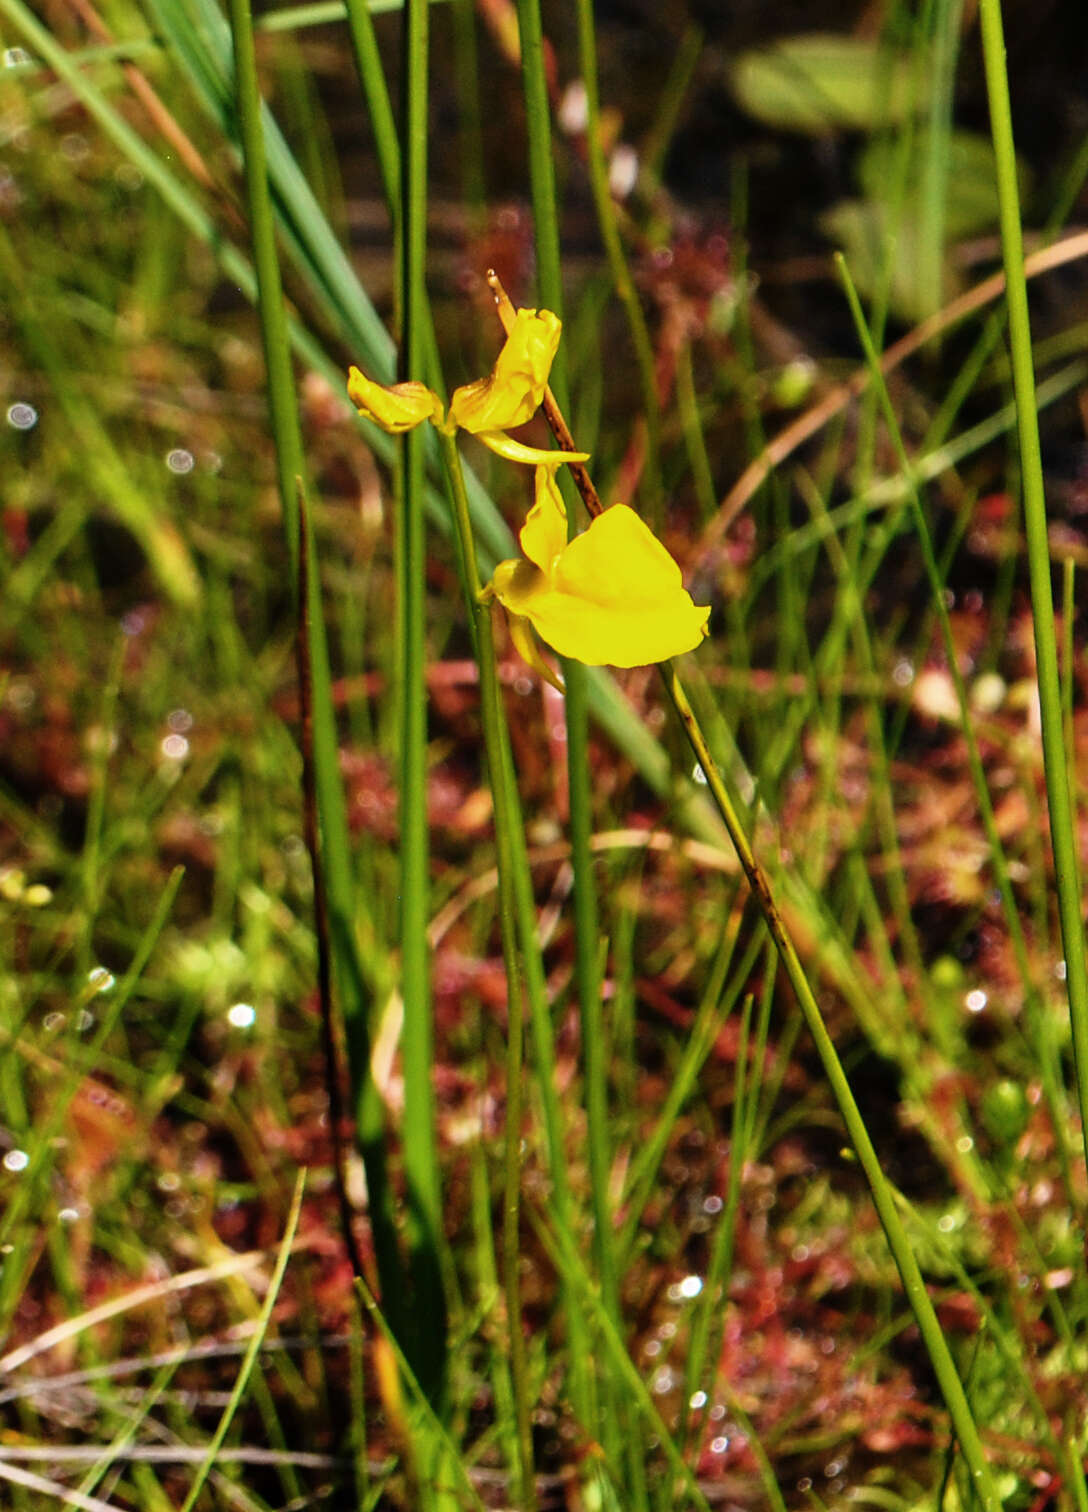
(883, 1198)
(238, 1390)
(576, 703)
(1050, 1068)
(420, 1140)
(339, 878)
(1062, 831)
(509, 857)
(617, 260)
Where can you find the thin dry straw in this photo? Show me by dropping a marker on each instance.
(250, 1359)
(1069, 249)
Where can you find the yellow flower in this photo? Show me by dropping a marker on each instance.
(510, 394)
(399, 408)
(611, 597)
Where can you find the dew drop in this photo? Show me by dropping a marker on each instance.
(663, 1382)
(623, 170)
(22, 416)
(128, 176)
(573, 112)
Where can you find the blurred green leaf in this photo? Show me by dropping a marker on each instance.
(886, 227)
(969, 174)
(822, 83)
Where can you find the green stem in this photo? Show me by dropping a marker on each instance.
(339, 878)
(586, 934)
(534, 86)
(421, 1169)
(256, 1343)
(1050, 1071)
(282, 406)
(1062, 832)
(883, 1196)
(617, 261)
(368, 63)
(506, 822)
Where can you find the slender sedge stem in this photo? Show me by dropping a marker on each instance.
(281, 385)
(534, 85)
(1062, 832)
(502, 779)
(1049, 1069)
(307, 610)
(253, 1350)
(936, 1346)
(336, 859)
(617, 261)
(368, 63)
(587, 970)
(420, 1140)
(587, 966)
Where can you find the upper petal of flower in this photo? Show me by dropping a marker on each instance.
(512, 392)
(399, 408)
(543, 537)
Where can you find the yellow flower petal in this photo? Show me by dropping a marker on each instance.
(399, 408)
(512, 392)
(612, 597)
(531, 456)
(528, 648)
(544, 535)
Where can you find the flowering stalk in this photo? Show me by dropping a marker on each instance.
(610, 595)
(883, 1195)
(501, 771)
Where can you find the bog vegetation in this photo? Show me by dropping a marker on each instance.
(467, 1039)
